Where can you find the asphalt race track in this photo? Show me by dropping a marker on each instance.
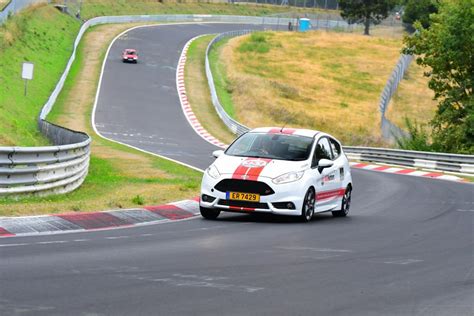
(406, 249)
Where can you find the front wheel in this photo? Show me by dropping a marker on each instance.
(307, 210)
(346, 204)
(208, 213)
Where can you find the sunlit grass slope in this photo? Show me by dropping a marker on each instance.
(43, 36)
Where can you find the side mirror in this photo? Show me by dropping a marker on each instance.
(217, 153)
(324, 163)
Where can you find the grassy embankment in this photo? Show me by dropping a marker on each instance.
(326, 81)
(44, 37)
(118, 176)
(92, 8)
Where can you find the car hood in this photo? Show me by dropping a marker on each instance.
(253, 168)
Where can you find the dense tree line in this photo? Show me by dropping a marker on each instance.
(446, 48)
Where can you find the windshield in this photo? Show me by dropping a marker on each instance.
(272, 146)
(130, 52)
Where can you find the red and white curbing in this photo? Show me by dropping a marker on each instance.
(404, 171)
(187, 110)
(80, 222)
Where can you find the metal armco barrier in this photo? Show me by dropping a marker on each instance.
(234, 126)
(46, 170)
(416, 159)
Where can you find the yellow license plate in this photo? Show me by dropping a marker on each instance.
(251, 197)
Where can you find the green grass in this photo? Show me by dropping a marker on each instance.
(294, 77)
(44, 37)
(257, 42)
(111, 182)
(69, 84)
(93, 8)
(223, 86)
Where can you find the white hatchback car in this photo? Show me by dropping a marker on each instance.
(284, 171)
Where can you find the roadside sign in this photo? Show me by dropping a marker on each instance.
(27, 71)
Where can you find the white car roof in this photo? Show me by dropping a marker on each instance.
(286, 130)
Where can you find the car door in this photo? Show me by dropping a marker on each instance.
(339, 162)
(326, 180)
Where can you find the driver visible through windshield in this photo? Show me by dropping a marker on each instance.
(272, 146)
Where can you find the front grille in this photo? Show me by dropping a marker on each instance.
(243, 204)
(246, 186)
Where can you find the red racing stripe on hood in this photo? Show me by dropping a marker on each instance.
(287, 131)
(240, 171)
(250, 168)
(254, 173)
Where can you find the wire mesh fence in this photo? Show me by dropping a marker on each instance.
(389, 130)
(320, 4)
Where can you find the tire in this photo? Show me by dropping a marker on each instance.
(208, 213)
(307, 211)
(346, 204)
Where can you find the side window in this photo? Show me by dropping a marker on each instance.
(336, 148)
(323, 150)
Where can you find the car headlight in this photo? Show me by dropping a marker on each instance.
(213, 172)
(288, 177)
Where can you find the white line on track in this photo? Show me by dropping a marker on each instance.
(13, 245)
(117, 237)
(313, 249)
(51, 242)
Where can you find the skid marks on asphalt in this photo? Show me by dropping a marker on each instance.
(200, 281)
(315, 253)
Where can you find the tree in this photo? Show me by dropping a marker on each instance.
(366, 11)
(447, 49)
(420, 10)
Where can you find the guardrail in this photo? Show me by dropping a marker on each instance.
(49, 169)
(417, 159)
(234, 126)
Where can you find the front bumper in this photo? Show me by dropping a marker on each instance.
(290, 192)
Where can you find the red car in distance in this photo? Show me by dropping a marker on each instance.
(130, 55)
